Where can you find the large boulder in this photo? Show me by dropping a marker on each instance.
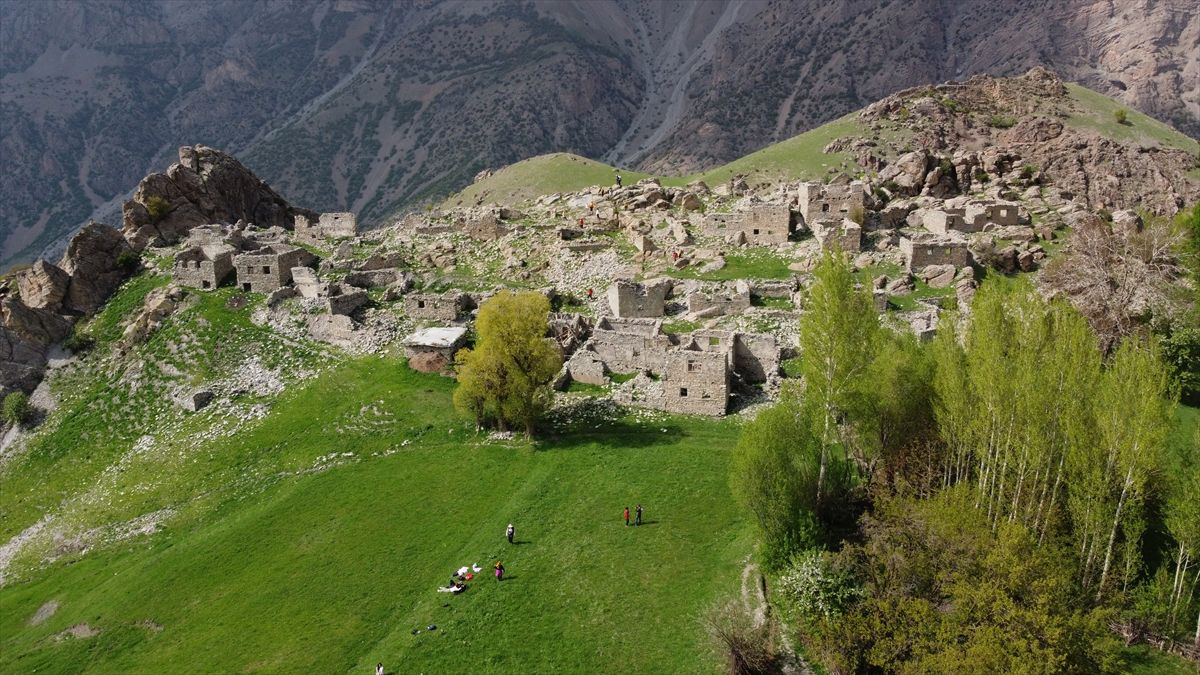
(43, 286)
(93, 261)
(25, 335)
(907, 172)
(205, 186)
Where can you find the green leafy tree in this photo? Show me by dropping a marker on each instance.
(838, 334)
(773, 474)
(506, 378)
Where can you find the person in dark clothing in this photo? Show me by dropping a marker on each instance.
(510, 532)
(618, 180)
(639, 515)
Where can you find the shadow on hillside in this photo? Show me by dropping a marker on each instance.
(615, 433)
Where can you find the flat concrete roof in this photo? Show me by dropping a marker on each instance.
(445, 336)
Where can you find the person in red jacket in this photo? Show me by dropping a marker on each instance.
(626, 516)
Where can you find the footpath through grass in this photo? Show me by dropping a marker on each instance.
(315, 560)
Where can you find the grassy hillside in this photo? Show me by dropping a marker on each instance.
(796, 158)
(309, 535)
(1099, 115)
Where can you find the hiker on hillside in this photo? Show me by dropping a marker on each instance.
(618, 180)
(639, 515)
(626, 516)
(509, 532)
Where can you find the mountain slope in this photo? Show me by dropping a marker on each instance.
(368, 105)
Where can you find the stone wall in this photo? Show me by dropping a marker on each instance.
(431, 306)
(342, 300)
(629, 352)
(269, 268)
(845, 235)
(327, 226)
(694, 382)
(818, 201)
(631, 299)
(756, 357)
(761, 225)
(720, 301)
(922, 250)
(203, 267)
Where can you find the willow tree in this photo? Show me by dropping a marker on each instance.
(506, 378)
(838, 333)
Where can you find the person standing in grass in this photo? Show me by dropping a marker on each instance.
(379, 669)
(639, 515)
(499, 571)
(626, 516)
(509, 532)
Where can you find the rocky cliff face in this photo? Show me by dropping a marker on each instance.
(366, 105)
(205, 186)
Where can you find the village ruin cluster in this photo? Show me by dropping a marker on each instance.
(680, 298)
(684, 298)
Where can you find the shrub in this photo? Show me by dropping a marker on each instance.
(128, 262)
(744, 644)
(157, 207)
(1002, 121)
(856, 214)
(79, 342)
(816, 589)
(1028, 171)
(1121, 116)
(17, 409)
(981, 176)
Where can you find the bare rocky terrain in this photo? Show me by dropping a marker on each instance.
(370, 106)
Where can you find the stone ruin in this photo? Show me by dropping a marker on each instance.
(760, 225)
(437, 307)
(203, 267)
(821, 201)
(692, 373)
(922, 249)
(970, 217)
(844, 235)
(327, 226)
(629, 299)
(432, 350)
(269, 268)
(720, 301)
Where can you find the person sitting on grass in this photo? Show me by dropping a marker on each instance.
(454, 587)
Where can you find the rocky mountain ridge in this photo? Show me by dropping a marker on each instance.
(366, 105)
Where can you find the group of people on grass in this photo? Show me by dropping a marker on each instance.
(638, 513)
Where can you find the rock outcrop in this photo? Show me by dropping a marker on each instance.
(25, 335)
(43, 286)
(205, 186)
(94, 262)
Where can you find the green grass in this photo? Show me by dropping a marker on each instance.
(312, 539)
(754, 263)
(1097, 115)
(542, 175)
(680, 326)
(772, 303)
(1145, 660)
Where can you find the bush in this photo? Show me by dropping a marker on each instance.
(856, 214)
(128, 262)
(981, 176)
(17, 409)
(1002, 121)
(157, 207)
(79, 342)
(1028, 171)
(744, 644)
(816, 589)
(1121, 116)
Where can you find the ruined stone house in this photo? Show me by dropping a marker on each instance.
(436, 307)
(820, 201)
(694, 382)
(629, 299)
(922, 249)
(845, 235)
(203, 267)
(720, 301)
(327, 226)
(269, 268)
(760, 225)
(432, 350)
